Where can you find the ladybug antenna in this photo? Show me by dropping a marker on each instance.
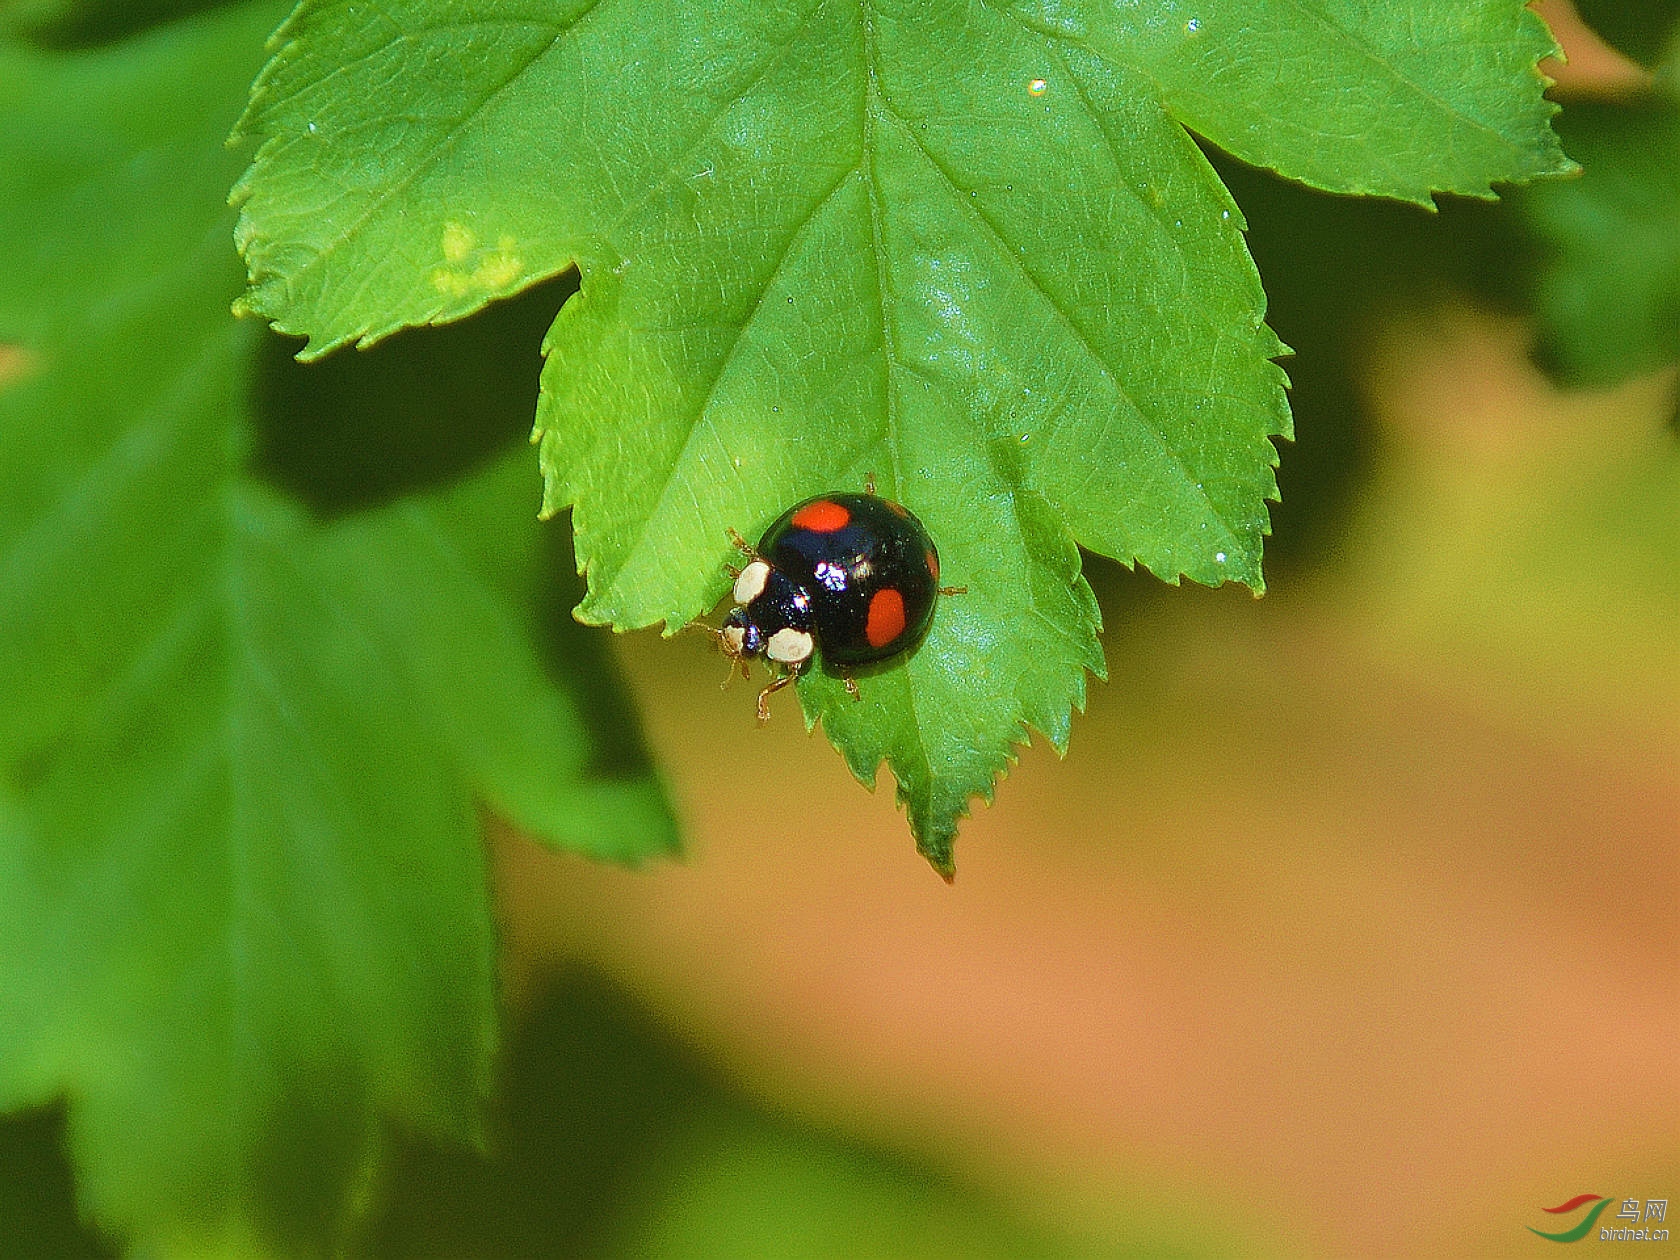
(737, 661)
(703, 628)
(717, 635)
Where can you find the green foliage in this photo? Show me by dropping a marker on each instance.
(735, 1185)
(610, 1139)
(1608, 293)
(38, 1193)
(81, 23)
(968, 248)
(243, 910)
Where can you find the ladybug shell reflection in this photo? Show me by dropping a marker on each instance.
(855, 571)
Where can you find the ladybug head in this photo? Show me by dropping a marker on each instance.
(740, 637)
(771, 618)
(743, 638)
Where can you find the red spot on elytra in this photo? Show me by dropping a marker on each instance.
(886, 618)
(933, 565)
(822, 517)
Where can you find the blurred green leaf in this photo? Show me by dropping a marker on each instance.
(967, 248)
(612, 1137)
(1608, 293)
(431, 579)
(243, 911)
(590, 1090)
(26, 18)
(83, 23)
(1643, 29)
(37, 1195)
(735, 1184)
(246, 914)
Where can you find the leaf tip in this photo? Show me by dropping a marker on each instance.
(938, 852)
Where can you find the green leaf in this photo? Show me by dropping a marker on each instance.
(1608, 295)
(418, 162)
(731, 1183)
(967, 248)
(1401, 98)
(243, 913)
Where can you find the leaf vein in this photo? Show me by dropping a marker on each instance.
(778, 53)
(700, 412)
(1078, 335)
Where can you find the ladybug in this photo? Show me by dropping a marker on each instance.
(852, 575)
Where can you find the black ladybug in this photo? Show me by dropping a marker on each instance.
(853, 575)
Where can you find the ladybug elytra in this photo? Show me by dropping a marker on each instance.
(854, 576)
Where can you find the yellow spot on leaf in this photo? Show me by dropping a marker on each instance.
(492, 270)
(458, 241)
(16, 363)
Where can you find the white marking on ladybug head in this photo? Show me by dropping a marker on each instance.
(789, 646)
(750, 585)
(732, 638)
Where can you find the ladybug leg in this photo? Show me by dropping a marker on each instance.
(743, 546)
(736, 663)
(953, 590)
(852, 687)
(869, 485)
(776, 685)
